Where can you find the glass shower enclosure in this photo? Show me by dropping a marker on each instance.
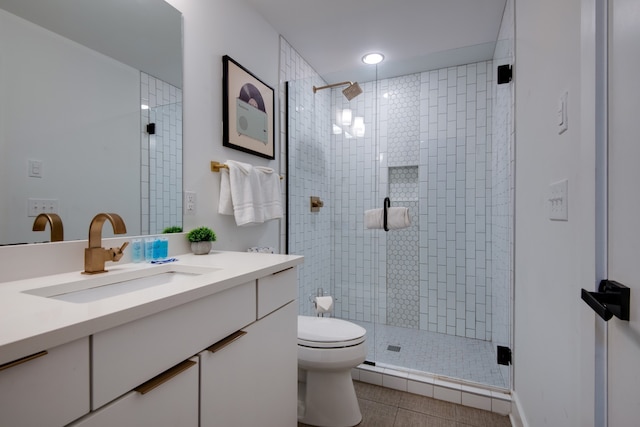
(434, 296)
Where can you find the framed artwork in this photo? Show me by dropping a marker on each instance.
(248, 117)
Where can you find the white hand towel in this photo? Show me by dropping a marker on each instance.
(225, 204)
(373, 218)
(244, 188)
(271, 193)
(397, 218)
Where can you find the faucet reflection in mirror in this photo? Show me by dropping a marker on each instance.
(95, 255)
(55, 223)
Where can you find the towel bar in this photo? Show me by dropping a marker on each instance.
(216, 166)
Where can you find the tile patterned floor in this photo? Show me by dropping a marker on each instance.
(383, 407)
(456, 357)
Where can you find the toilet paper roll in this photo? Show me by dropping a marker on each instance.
(324, 304)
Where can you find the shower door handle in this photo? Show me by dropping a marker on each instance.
(387, 205)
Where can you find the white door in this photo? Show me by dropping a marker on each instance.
(624, 209)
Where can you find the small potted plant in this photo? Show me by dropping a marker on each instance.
(201, 239)
(172, 229)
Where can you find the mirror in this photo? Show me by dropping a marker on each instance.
(73, 135)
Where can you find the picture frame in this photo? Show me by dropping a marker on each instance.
(248, 111)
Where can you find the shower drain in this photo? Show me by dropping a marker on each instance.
(395, 348)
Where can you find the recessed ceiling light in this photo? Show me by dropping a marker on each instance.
(372, 58)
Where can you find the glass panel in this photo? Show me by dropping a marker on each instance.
(435, 295)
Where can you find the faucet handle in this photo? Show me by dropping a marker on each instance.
(116, 253)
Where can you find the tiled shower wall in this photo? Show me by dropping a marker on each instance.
(427, 146)
(161, 155)
(455, 178)
(356, 252)
(308, 172)
(435, 158)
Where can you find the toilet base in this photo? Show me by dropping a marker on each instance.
(329, 400)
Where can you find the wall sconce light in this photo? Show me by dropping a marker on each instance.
(347, 114)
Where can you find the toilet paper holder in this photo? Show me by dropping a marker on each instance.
(319, 293)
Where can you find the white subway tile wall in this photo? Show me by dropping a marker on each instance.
(308, 173)
(161, 155)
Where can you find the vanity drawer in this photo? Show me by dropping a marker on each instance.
(172, 402)
(276, 290)
(52, 389)
(128, 355)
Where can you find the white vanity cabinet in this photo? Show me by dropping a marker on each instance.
(154, 369)
(50, 388)
(127, 356)
(169, 400)
(251, 379)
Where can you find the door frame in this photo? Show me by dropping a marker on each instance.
(600, 40)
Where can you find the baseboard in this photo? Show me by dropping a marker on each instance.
(473, 395)
(517, 416)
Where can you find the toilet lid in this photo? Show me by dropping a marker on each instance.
(327, 332)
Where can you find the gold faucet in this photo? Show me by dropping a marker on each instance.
(55, 223)
(95, 255)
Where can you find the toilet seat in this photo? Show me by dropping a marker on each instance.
(327, 332)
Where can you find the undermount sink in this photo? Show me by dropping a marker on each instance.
(119, 283)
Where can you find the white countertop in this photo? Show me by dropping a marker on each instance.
(31, 323)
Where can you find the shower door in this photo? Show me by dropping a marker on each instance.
(334, 160)
(434, 296)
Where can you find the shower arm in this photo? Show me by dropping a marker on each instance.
(315, 89)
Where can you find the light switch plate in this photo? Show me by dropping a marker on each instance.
(559, 201)
(34, 168)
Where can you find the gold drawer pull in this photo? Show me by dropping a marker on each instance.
(23, 360)
(226, 341)
(282, 271)
(164, 377)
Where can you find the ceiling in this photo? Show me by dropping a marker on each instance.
(413, 35)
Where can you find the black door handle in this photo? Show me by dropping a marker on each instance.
(612, 299)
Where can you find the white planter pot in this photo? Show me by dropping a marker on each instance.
(200, 248)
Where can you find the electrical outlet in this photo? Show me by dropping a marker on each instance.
(189, 203)
(37, 206)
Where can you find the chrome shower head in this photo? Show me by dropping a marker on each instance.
(349, 92)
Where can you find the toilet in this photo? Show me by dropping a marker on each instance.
(328, 349)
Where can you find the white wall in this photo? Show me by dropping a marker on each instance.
(553, 351)
(212, 29)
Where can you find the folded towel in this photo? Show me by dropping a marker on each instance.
(270, 192)
(251, 194)
(225, 204)
(242, 186)
(397, 218)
